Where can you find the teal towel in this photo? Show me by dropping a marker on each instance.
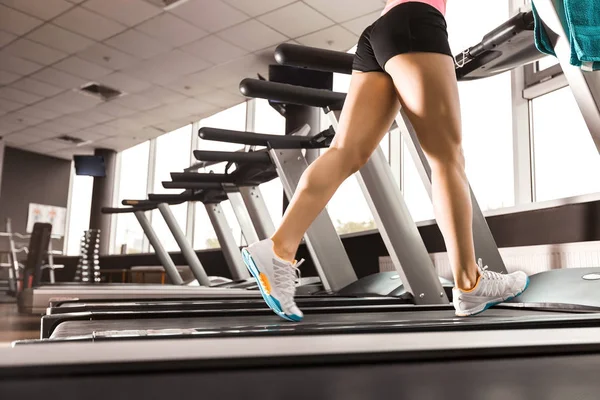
(583, 28)
(583, 18)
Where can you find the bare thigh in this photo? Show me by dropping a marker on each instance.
(369, 110)
(428, 91)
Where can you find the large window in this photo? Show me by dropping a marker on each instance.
(486, 107)
(235, 119)
(79, 212)
(348, 207)
(173, 154)
(486, 110)
(565, 156)
(267, 120)
(133, 181)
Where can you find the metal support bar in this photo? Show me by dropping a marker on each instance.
(258, 211)
(522, 146)
(186, 248)
(230, 250)
(14, 269)
(396, 156)
(160, 251)
(191, 207)
(485, 244)
(398, 230)
(324, 244)
(585, 85)
(150, 182)
(51, 275)
(237, 204)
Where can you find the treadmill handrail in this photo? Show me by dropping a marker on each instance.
(314, 58)
(201, 177)
(232, 156)
(206, 164)
(191, 185)
(173, 200)
(251, 138)
(290, 94)
(125, 210)
(320, 140)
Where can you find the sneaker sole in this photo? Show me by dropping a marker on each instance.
(271, 301)
(491, 304)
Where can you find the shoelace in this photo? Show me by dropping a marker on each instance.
(496, 280)
(286, 279)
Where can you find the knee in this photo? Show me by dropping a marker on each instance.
(351, 159)
(447, 149)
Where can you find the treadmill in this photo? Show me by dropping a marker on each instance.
(508, 43)
(35, 300)
(508, 46)
(579, 294)
(210, 197)
(530, 358)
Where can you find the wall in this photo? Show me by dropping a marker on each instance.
(31, 178)
(2, 148)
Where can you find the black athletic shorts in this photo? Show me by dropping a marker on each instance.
(406, 28)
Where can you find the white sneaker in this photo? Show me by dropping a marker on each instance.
(276, 278)
(491, 289)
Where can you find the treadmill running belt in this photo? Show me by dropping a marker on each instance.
(314, 322)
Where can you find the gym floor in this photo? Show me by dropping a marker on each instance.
(14, 326)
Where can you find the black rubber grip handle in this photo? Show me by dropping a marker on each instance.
(233, 156)
(197, 177)
(192, 185)
(299, 56)
(168, 198)
(290, 94)
(138, 203)
(123, 210)
(254, 139)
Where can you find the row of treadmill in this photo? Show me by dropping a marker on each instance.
(358, 335)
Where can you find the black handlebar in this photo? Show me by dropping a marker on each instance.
(253, 139)
(319, 141)
(228, 156)
(314, 58)
(192, 185)
(170, 198)
(204, 178)
(290, 94)
(124, 210)
(139, 203)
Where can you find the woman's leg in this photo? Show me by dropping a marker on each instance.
(428, 91)
(369, 110)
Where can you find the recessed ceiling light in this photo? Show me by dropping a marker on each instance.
(167, 4)
(104, 92)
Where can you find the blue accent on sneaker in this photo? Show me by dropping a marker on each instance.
(495, 303)
(271, 301)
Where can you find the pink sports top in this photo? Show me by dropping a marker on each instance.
(439, 4)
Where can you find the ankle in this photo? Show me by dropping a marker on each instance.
(468, 279)
(285, 252)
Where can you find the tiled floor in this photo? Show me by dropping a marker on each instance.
(14, 326)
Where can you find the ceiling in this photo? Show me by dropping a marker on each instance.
(173, 67)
